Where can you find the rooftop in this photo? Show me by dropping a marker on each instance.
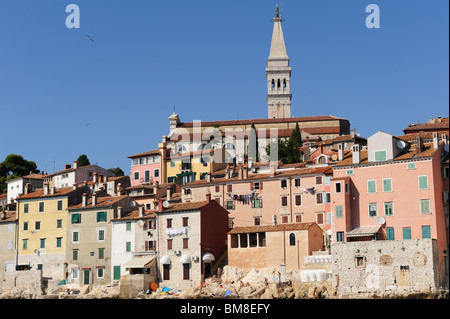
(270, 228)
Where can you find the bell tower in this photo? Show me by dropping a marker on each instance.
(278, 74)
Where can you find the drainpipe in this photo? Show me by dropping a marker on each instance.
(290, 197)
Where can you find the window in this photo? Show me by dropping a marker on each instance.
(230, 205)
(75, 254)
(284, 219)
(318, 180)
(58, 242)
(284, 201)
(349, 172)
(42, 243)
(25, 225)
(185, 243)
(128, 246)
(423, 182)
(338, 188)
(100, 272)
(128, 226)
(390, 233)
(298, 200)
(166, 272)
(256, 186)
(24, 243)
(319, 218)
(257, 203)
(169, 244)
(291, 239)
(407, 233)
(60, 205)
(446, 172)
(172, 163)
(75, 237)
(217, 188)
(37, 225)
(147, 176)
(169, 222)
(319, 198)
(339, 211)
(25, 208)
(373, 210)
(388, 209)
(76, 218)
(185, 221)
(380, 156)
(101, 234)
(411, 165)
(256, 221)
(299, 218)
(387, 185)
(101, 217)
(59, 223)
(41, 207)
(426, 232)
(156, 173)
(340, 236)
(185, 271)
(229, 188)
(284, 183)
(101, 253)
(371, 186)
(327, 198)
(297, 182)
(424, 206)
(136, 176)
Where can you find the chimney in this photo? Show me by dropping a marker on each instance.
(245, 173)
(240, 172)
(94, 199)
(100, 178)
(119, 189)
(46, 186)
(27, 188)
(67, 166)
(119, 211)
(272, 168)
(419, 144)
(208, 197)
(250, 162)
(208, 177)
(95, 178)
(353, 133)
(3, 215)
(84, 200)
(52, 190)
(168, 193)
(141, 211)
(435, 140)
(340, 151)
(74, 186)
(160, 205)
(75, 164)
(227, 172)
(356, 154)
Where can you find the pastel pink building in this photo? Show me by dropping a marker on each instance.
(393, 190)
(146, 168)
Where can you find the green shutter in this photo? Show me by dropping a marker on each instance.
(423, 182)
(101, 217)
(406, 233)
(424, 206)
(371, 186)
(426, 232)
(380, 156)
(387, 185)
(390, 233)
(339, 212)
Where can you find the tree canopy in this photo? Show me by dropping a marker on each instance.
(15, 166)
(289, 151)
(83, 160)
(117, 171)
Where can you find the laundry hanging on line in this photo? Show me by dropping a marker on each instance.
(245, 199)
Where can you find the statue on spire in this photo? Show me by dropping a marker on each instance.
(277, 12)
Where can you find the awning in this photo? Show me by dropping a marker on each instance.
(363, 231)
(165, 260)
(185, 259)
(208, 257)
(140, 262)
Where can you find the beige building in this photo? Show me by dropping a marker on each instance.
(8, 240)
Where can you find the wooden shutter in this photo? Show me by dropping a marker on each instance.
(145, 225)
(260, 185)
(146, 245)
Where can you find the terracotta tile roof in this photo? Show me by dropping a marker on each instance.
(3, 196)
(134, 215)
(263, 121)
(443, 125)
(270, 228)
(10, 216)
(410, 153)
(153, 152)
(39, 193)
(184, 206)
(101, 202)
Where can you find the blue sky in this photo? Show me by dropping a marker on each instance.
(62, 95)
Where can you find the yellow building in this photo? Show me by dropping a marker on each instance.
(42, 219)
(190, 166)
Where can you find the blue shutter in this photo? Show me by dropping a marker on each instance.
(426, 232)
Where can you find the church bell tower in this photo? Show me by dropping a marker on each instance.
(278, 74)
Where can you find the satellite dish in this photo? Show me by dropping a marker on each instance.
(381, 220)
(165, 204)
(334, 157)
(401, 144)
(132, 203)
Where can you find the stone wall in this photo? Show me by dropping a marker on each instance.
(21, 284)
(397, 266)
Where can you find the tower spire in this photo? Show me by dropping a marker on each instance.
(278, 73)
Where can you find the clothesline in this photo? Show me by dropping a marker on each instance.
(243, 198)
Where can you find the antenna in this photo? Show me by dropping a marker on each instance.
(54, 161)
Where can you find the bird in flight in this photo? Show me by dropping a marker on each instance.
(90, 38)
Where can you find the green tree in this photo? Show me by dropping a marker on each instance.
(15, 166)
(294, 144)
(117, 171)
(83, 160)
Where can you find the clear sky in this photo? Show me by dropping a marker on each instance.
(63, 95)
